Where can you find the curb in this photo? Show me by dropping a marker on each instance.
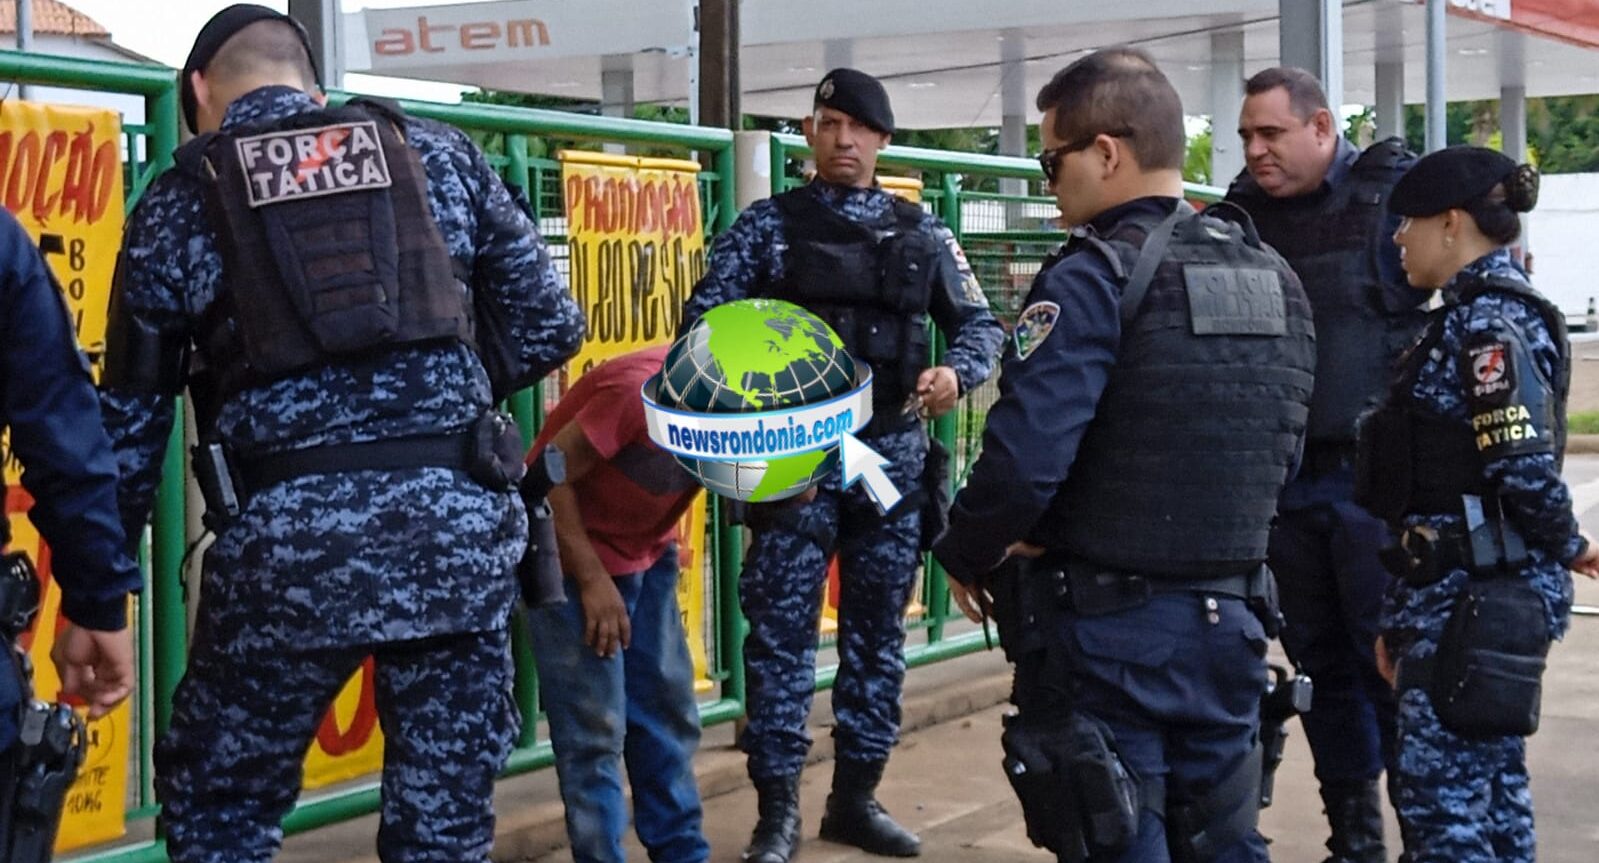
(536, 832)
(1585, 444)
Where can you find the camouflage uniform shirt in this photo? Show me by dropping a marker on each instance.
(325, 560)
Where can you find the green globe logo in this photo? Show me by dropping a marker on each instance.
(756, 399)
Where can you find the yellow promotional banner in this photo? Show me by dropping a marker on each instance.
(908, 188)
(348, 743)
(636, 241)
(636, 247)
(61, 176)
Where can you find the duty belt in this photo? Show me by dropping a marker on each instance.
(1091, 590)
(450, 451)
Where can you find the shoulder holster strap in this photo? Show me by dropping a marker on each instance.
(450, 451)
(1415, 672)
(1148, 260)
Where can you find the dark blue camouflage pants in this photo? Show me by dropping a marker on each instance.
(1460, 800)
(781, 595)
(229, 768)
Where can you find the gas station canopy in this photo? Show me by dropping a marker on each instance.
(949, 63)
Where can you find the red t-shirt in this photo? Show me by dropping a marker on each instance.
(631, 501)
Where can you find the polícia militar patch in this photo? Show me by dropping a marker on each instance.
(309, 163)
(1033, 326)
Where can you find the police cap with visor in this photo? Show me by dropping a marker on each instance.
(1454, 177)
(216, 32)
(859, 95)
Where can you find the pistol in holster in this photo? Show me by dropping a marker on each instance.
(539, 572)
(37, 770)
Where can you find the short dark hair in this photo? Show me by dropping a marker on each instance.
(263, 46)
(1119, 90)
(1305, 96)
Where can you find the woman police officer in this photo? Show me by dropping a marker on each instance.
(1463, 459)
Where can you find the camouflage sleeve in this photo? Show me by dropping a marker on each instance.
(512, 262)
(149, 296)
(1506, 366)
(960, 309)
(738, 263)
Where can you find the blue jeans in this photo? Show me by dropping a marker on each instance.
(636, 706)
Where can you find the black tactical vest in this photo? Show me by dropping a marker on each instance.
(329, 248)
(873, 286)
(1178, 474)
(1413, 461)
(1334, 246)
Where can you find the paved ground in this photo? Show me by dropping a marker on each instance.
(945, 781)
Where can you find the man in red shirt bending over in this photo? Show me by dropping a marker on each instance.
(614, 669)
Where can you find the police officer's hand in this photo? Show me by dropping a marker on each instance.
(1385, 664)
(1023, 549)
(937, 388)
(95, 666)
(1587, 562)
(606, 627)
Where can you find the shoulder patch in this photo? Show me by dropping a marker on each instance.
(1033, 326)
(309, 163)
(971, 288)
(1490, 372)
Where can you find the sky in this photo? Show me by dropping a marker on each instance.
(163, 30)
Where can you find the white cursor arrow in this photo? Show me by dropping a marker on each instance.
(861, 462)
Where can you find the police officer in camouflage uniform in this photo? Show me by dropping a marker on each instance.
(47, 402)
(346, 293)
(1151, 406)
(1318, 201)
(876, 268)
(1464, 460)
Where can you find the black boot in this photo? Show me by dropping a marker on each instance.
(854, 817)
(1354, 811)
(777, 833)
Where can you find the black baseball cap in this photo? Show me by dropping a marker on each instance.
(859, 95)
(216, 33)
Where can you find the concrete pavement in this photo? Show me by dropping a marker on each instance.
(945, 781)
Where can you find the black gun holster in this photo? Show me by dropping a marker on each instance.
(1078, 797)
(1285, 698)
(37, 770)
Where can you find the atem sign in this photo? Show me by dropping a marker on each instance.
(435, 38)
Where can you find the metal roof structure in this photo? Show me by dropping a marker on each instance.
(947, 62)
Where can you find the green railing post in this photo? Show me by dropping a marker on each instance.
(170, 636)
(732, 628)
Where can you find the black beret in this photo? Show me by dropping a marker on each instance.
(217, 32)
(1448, 179)
(859, 95)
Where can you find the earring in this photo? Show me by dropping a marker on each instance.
(1449, 242)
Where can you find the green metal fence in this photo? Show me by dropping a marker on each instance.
(1005, 237)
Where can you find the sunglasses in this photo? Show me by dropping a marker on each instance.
(1049, 160)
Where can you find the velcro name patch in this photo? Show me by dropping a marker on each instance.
(309, 163)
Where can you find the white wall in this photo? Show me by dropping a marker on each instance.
(1561, 235)
(131, 107)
